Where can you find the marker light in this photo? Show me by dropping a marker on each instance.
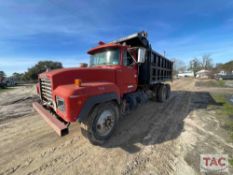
(77, 82)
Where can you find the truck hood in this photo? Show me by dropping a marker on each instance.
(91, 74)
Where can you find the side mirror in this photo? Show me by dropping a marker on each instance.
(141, 55)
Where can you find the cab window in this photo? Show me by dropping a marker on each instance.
(127, 59)
(105, 57)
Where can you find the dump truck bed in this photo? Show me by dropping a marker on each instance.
(156, 68)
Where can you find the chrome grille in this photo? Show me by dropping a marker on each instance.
(46, 90)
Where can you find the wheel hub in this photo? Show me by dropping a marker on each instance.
(105, 122)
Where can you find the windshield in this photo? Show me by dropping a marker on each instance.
(105, 57)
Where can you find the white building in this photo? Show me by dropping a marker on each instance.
(186, 74)
(203, 74)
(222, 72)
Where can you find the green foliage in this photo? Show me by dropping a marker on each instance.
(18, 76)
(41, 66)
(2, 76)
(225, 112)
(2, 73)
(228, 67)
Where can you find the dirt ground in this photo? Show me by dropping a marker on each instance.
(157, 138)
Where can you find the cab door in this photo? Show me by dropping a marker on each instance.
(127, 76)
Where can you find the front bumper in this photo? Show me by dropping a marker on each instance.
(59, 127)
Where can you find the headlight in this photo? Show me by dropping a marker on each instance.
(60, 103)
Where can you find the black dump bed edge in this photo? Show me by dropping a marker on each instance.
(157, 68)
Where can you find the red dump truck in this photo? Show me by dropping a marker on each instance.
(122, 75)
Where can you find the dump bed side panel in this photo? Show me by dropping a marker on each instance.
(160, 68)
(156, 69)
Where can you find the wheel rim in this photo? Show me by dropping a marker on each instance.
(105, 123)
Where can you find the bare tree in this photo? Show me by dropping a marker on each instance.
(178, 65)
(207, 62)
(194, 65)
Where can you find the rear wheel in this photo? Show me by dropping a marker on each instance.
(168, 93)
(155, 89)
(101, 122)
(162, 93)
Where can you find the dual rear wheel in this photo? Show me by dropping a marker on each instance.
(162, 92)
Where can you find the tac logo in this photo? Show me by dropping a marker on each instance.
(215, 163)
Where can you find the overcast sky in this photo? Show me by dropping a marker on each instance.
(63, 30)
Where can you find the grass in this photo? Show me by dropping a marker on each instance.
(225, 112)
(227, 106)
(4, 89)
(231, 162)
(210, 83)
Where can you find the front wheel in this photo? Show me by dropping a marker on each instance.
(101, 122)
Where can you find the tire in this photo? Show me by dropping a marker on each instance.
(143, 96)
(162, 92)
(132, 101)
(101, 122)
(155, 90)
(168, 89)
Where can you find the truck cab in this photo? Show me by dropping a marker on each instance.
(112, 85)
(119, 58)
